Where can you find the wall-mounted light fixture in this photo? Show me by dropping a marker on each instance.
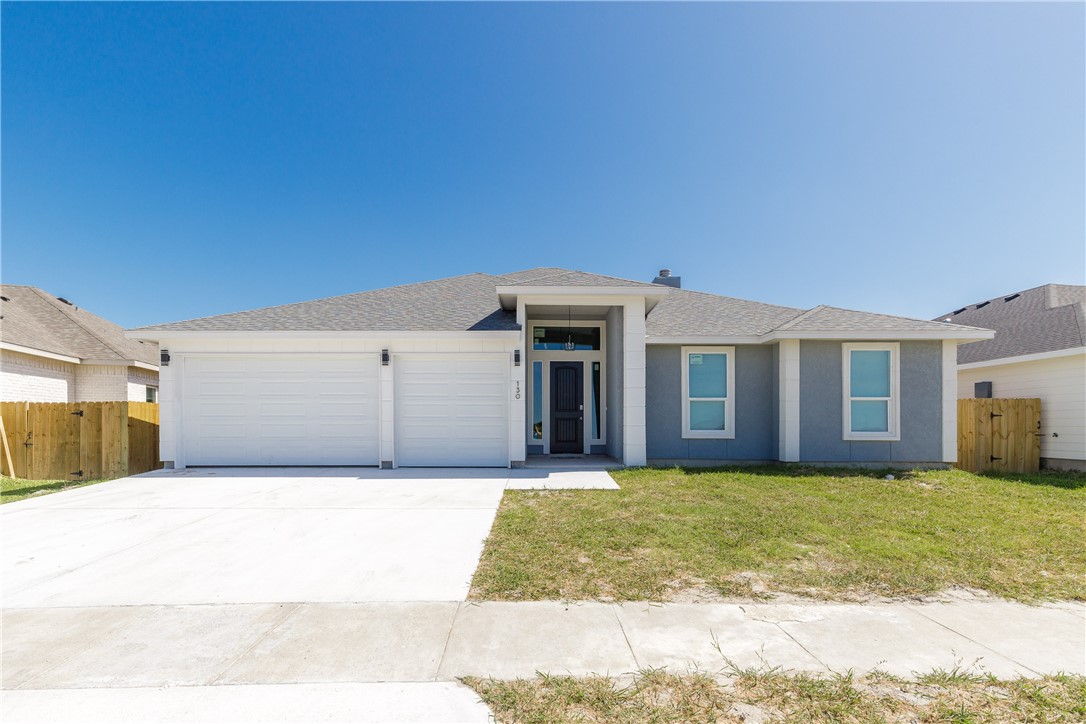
(516, 358)
(164, 357)
(384, 358)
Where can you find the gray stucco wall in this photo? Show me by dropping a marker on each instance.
(820, 407)
(755, 414)
(613, 370)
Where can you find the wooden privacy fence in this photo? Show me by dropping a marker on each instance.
(1000, 435)
(78, 440)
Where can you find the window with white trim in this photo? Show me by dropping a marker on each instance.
(870, 379)
(708, 389)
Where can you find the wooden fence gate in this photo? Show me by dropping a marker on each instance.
(79, 440)
(999, 435)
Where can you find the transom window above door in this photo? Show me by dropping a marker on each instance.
(558, 338)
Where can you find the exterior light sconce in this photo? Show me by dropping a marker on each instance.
(516, 358)
(384, 358)
(164, 358)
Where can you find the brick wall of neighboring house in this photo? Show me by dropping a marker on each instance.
(29, 378)
(138, 382)
(101, 383)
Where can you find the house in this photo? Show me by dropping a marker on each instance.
(485, 370)
(53, 351)
(1039, 351)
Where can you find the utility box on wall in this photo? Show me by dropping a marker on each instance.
(982, 390)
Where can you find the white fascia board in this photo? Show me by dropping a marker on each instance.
(121, 363)
(510, 296)
(1070, 352)
(156, 335)
(39, 353)
(737, 339)
(881, 335)
(876, 336)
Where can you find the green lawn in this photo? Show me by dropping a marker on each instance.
(656, 696)
(688, 534)
(12, 489)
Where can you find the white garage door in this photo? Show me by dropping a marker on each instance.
(452, 410)
(280, 410)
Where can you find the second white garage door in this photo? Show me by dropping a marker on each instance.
(452, 410)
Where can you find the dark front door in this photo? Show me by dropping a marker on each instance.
(567, 407)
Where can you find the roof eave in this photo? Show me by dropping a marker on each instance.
(156, 335)
(509, 294)
(962, 336)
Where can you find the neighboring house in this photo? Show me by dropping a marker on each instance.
(1039, 351)
(53, 351)
(484, 370)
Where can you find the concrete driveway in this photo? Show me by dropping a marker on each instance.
(251, 536)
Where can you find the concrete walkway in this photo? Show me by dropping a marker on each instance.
(152, 646)
(324, 661)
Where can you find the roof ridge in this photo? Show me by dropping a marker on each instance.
(55, 304)
(799, 318)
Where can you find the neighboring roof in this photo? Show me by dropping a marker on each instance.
(32, 318)
(470, 303)
(1048, 318)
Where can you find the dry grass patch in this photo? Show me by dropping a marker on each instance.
(770, 695)
(836, 534)
(12, 489)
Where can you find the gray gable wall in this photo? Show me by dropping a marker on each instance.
(821, 414)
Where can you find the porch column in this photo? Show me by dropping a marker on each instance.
(634, 451)
(950, 401)
(518, 444)
(788, 394)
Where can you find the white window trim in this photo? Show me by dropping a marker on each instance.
(728, 433)
(894, 407)
(587, 356)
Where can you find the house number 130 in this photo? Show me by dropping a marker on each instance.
(516, 394)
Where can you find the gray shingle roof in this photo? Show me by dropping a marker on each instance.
(34, 318)
(455, 304)
(835, 319)
(1043, 319)
(470, 302)
(688, 313)
(552, 277)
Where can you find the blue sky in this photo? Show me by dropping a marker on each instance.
(168, 161)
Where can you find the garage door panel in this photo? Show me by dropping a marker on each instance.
(452, 410)
(279, 410)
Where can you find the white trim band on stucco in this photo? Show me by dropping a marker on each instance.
(950, 401)
(1070, 352)
(788, 397)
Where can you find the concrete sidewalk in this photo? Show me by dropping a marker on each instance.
(163, 646)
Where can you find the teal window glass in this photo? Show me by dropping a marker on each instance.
(869, 373)
(596, 400)
(708, 376)
(556, 338)
(707, 414)
(870, 415)
(537, 400)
